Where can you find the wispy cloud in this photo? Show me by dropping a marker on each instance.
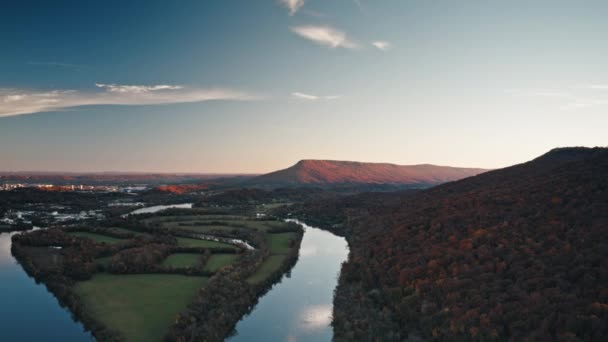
(310, 97)
(567, 98)
(20, 101)
(137, 88)
(292, 5)
(325, 35)
(382, 45)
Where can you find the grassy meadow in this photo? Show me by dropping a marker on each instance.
(97, 237)
(182, 260)
(140, 307)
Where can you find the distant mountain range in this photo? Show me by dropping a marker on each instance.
(305, 173)
(322, 173)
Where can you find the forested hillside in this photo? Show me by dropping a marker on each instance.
(517, 253)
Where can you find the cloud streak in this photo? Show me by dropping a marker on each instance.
(19, 101)
(136, 89)
(571, 98)
(325, 35)
(310, 97)
(292, 5)
(382, 45)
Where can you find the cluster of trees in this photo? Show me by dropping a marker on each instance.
(19, 226)
(142, 259)
(227, 297)
(334, 211)
(288, 227)
(60, 269)
(516, 253)
(249, 196)
(74, 257)
(218, 306)
(182, 188)
(23, 198)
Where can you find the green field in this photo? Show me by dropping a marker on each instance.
(279, 243)
(217, 261)
(182, 260)
(259, 225)
(96, 237)
(263, 208)
(105, 261)
(271, 264)
(162, 219)
(202, 228)
(229, 222)
(188, 242)
(124, 230)
(141, 307)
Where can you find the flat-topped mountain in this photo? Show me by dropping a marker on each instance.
(333, 172)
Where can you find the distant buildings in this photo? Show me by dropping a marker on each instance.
(73, 187)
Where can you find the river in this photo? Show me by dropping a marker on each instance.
(299, 307)
(28, 311)
(158, 208)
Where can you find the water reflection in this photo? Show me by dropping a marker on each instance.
(299, 308)
(315, 317)
(5, 250)
(28, 311)
(158, 208)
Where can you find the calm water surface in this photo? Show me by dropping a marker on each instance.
(296, 309)
(299, 307)
(158, 208)
(28, 312)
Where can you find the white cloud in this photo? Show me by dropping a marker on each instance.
(382, 45)
(309, 97)
(575, 98)
(16, 102)
(325, 35)
(292, 5)
(137, 88)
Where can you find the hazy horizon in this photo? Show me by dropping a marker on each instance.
(242, 87)
(214, 173)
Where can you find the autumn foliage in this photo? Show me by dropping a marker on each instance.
(518, 253)
(182, 188)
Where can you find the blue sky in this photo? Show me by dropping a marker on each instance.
(253, 86)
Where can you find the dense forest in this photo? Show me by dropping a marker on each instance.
(517, 253)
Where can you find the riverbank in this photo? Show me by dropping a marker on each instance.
(82, 258)
(24, 300)
(300, 306)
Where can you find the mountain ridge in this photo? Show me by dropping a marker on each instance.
(321, 172)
